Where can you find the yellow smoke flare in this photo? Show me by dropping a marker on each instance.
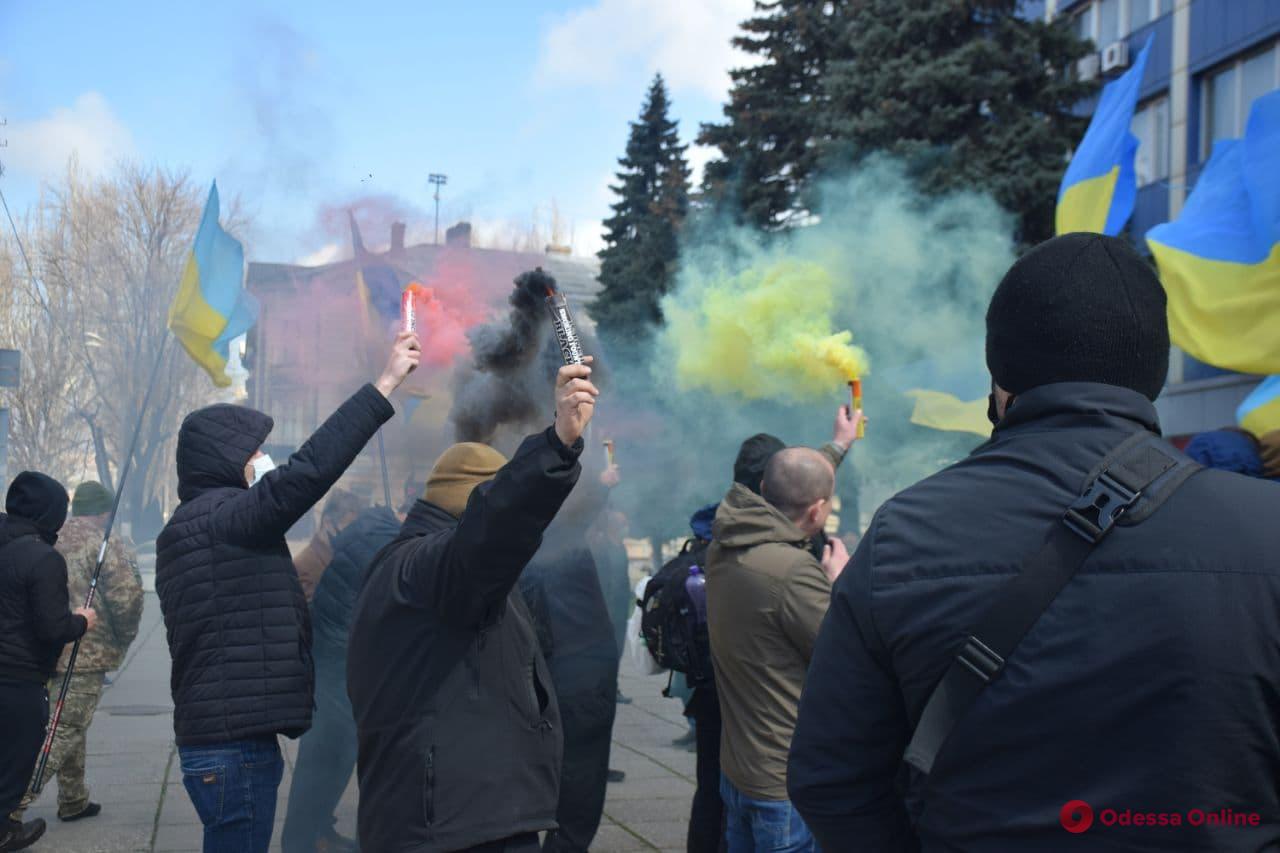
(765, 332)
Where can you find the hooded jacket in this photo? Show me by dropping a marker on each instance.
(237, 623)
(766, 596)
(35, 616)
(1149, 684)
(459, 730)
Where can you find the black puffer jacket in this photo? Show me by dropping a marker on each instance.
(35, 619)
(1149, 685)
(354, 548)
(459, 729)
(237, 622)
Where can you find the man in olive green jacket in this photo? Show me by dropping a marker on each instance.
(766, 598)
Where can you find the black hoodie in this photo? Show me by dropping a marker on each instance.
(236, 618)
(35, 617)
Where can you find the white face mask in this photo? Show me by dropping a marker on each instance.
(262, 465)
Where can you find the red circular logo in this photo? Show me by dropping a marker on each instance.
(1076, 816)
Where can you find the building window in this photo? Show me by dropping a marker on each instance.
(1230, 91)
(1083, 23)
(1151, 127)
(1105, 21)
(1109, 23)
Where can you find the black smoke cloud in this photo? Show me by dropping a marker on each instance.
(506, 390)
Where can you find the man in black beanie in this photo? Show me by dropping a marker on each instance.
(35, 623)
(1145, 687)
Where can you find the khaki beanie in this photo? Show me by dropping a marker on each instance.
(459, 470)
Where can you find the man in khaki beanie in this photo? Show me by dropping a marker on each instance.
(459, 470)
(458, 727)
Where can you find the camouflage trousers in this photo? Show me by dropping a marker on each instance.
(66, 757)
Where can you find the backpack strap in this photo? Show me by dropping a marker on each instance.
(1130, 483)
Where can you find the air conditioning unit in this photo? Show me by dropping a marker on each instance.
(1088, 67)
(1115, 56)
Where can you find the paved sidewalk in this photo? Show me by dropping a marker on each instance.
(133, 768)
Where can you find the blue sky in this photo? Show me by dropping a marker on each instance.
(300, 109)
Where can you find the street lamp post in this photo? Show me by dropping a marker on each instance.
(439, 181)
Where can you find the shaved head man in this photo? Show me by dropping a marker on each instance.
(766, 597)
(799, 483)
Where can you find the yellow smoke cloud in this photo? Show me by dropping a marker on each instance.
(764, 332)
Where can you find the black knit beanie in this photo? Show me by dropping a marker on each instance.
(1079, 308)
(753, 456)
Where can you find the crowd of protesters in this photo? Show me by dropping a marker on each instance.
(1075, 619)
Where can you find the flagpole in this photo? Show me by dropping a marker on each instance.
(386, 479)
(37, 784)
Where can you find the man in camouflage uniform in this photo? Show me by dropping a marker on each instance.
(119, 606)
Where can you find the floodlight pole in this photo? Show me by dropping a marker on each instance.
(439, 181)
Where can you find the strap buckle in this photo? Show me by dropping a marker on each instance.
(979, 659)
(1096, 511)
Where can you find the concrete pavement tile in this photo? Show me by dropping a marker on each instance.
(614, 839)
(642, 810)
(649, 789)
(179, 837)
(662, 833)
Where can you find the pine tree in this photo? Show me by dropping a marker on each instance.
(637, 265)
(967, 92)
(767, 151)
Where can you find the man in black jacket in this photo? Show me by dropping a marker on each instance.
(327, 753)
(1143, 696)
(459, 731)
(35, 624)
(234, 611)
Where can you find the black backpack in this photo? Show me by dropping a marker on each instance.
(669, 623)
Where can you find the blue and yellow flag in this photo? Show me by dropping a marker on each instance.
(212, 307)
(1260, 411)
(377, 284)
(1100, 187)
(942, 411)
(1220, 260)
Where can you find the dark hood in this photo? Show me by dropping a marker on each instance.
(39, 499)
(214, 445)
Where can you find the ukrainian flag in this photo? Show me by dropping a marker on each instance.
(942, 411)
(377, 284)
(212, 307)
(1220, 260)
(1099, 188)
(1260, 411)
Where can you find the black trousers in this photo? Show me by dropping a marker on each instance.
(587, 719)
(706, 819)
(24, 706)
(326, 760)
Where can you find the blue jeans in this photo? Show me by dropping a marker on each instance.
(754, 826)
(233, 787)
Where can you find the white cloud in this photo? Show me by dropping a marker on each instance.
(327, 254)
(88, 129)
(588, 238)
(687, 40)
(697, 156)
